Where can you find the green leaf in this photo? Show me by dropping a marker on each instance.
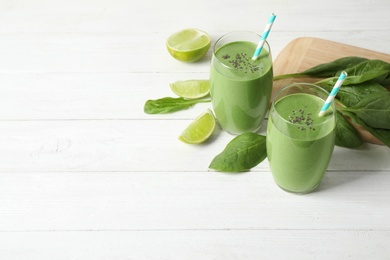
(369, 70)
(332, 68)
(169, 105)
(381, 134)
(329, 69)
(374, 110)
(346, 134)
(352, 94)
(242, 153)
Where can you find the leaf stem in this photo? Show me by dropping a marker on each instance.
(286, 76)
(325, 80)
(338, 102)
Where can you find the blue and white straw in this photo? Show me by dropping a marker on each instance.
(264, 37)
(333, 93)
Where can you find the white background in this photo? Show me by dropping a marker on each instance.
(85, 174)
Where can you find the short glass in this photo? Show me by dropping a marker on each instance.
(240, 87)
(299, 142)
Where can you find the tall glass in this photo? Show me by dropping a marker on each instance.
(240, 87)
(299, 142)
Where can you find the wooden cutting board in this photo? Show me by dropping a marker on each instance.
(306, 52)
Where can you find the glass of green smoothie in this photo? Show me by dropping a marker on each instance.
(240, 87)
(300, 142)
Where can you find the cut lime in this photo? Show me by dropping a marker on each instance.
(191, 89)
(188, 45)
(200, 129)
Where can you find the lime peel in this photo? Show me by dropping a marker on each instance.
(200, 129)
(191, 89)
(188, 45)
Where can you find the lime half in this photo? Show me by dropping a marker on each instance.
(191, 89)
(188, 45)
(200, 129)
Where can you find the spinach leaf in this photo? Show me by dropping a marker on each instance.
(346, 134)
(169, 104)
(374, 110)
(352, 94)
(369, 70)
(381, 134)
(324, 70)
(242, 153)
(386, 81)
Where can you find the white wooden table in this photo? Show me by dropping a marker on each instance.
(85, 174)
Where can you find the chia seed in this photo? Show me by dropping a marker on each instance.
(302, 120)
(242, 62)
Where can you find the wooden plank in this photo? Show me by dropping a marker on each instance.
(46, 16)
(103, 84)
(94, 201)
(197, 244)
(134, 145)
(122, 52)
(64, 96)
(306, 52)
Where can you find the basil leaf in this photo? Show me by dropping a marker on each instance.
(242, 153)
(381, 134)
(374, 110)
(346, 134)
(329, 69)
(169, 104)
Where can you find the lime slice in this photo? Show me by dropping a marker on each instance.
(191, 89)
(200, 129)
(188, 45)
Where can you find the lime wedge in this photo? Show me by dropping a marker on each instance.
(188, 45)
(191, 89)
(200, 129)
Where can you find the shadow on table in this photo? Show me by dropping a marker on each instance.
(334, 180)
(351, 165)
(217, 132)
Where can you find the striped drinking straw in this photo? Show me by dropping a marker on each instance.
(264, 37)
(333, 93)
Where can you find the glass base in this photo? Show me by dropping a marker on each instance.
(299, 192)
(241, 132)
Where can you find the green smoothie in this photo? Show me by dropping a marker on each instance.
(299, 142)
(240, 87)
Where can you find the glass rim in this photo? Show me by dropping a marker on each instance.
(307, 85)
(238, 32)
